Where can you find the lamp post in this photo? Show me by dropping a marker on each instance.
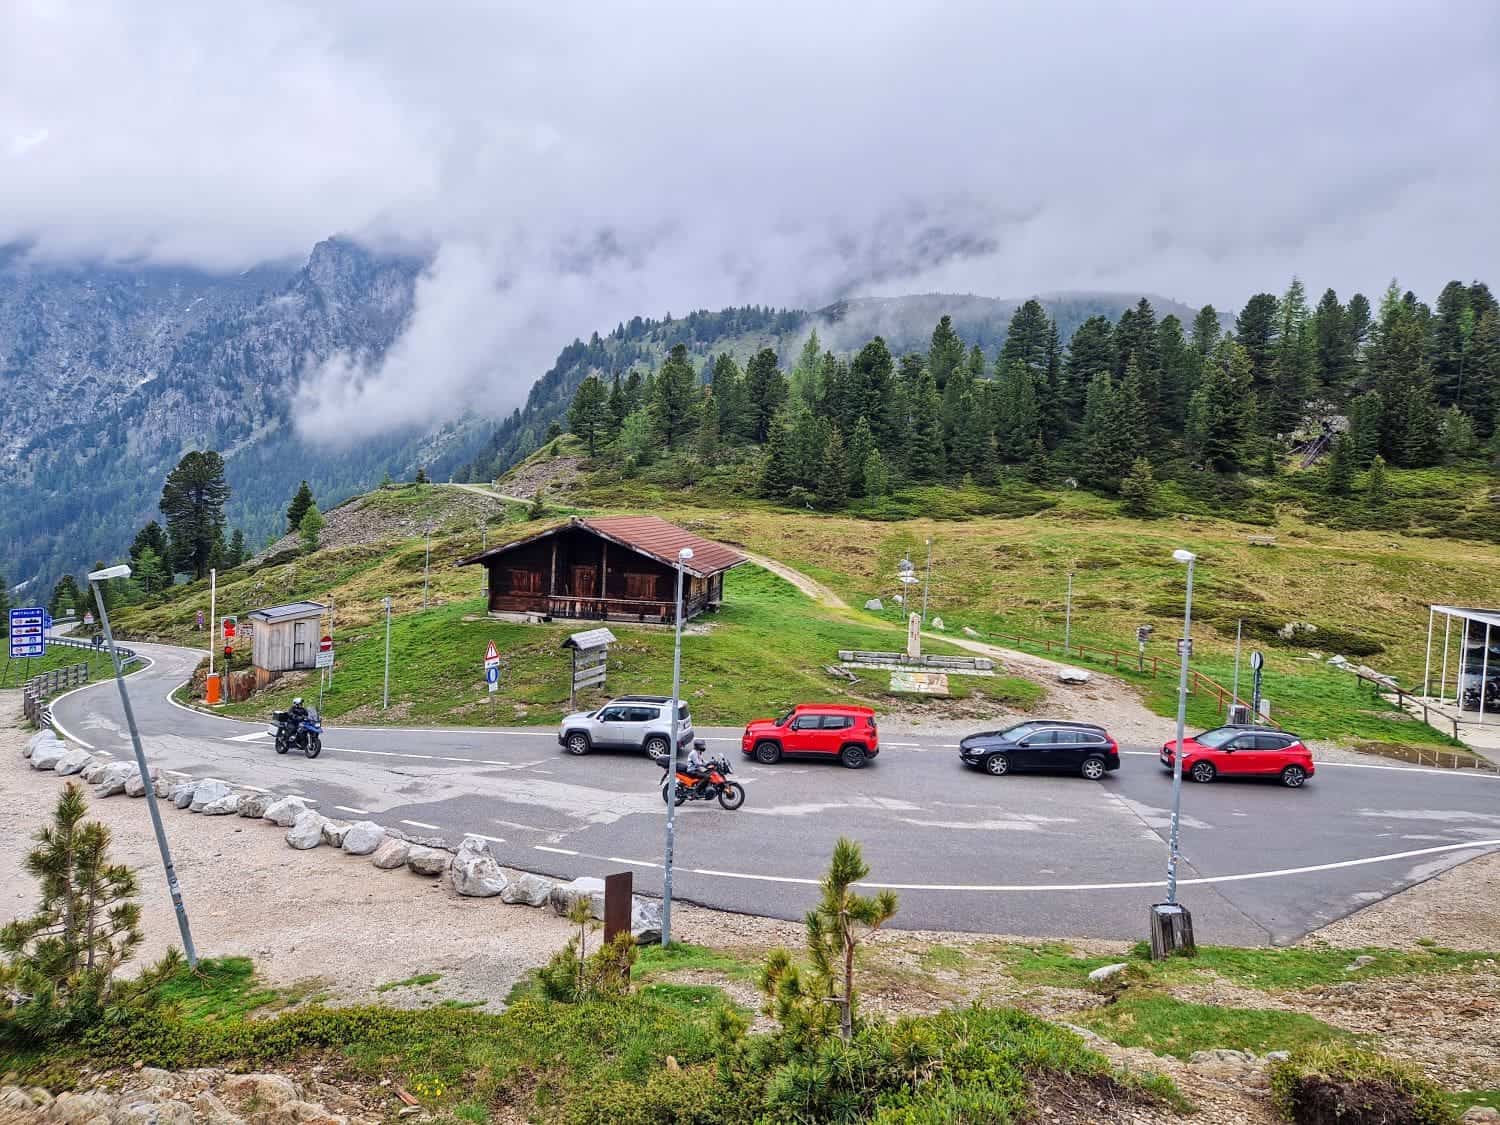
(426, 563)
(927, 583)
(385, 695)
(1182, 683)
(95, 578)
(666, 894)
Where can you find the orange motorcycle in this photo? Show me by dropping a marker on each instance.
(713, 784)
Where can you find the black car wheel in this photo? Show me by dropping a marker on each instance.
(997, 765)
(1203, 772)
(1094, 768)
(767, 753)
(1293, 777)
(854, 757)
(657, 747)
(577, 743)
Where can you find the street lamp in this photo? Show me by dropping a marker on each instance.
(666, 896)
(95, 578)
(1171, 925)
(927, 583)
(385, 695)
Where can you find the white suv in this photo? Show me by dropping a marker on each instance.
(631, 722)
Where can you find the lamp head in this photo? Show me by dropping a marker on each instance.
(685, 554)
(1183, 556)
(121, 571)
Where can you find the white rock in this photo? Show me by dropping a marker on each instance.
(47, 755)
(645, 919)
(1105, 972)
(1072, 676)
(92, 772)
(306, 832)
(970, 631)
(208, 790)
(875, 604)
(564, 895)
(422, 860)
(227, 805)
(937, 623)
(163, 787)
(1480, 1113)
(391, 854)
(40, 738)
(134, 786)
(253, 806)
(333, 832)
(474, 871)
(114, 777)
(1359, 963)
(533, 890)
(1222, 1057)
(363, 837)
(284, 813)
(74, 761)
(182, 793)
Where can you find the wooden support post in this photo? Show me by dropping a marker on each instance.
(1171, 931)
(618, 889)
(552, 583)
(603, 568)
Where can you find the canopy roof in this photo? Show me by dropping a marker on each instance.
(1484, 616)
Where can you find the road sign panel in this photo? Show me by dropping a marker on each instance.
(324, 659)
(1257, 661)
(1185, 646)
(491, 654)
(326, 644)
(28, 632)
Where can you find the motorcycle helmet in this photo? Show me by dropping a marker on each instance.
(699, 745)
(297, 702)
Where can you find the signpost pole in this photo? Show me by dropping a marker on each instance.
(178, 906)
(385, 695)
(213, 615)
(1187, 641)
(1234, 692)
(928, 583)
(426, 564)
(1068, 616)
(666, 897)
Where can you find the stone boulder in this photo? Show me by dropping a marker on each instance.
(227, 805)
(92, 772)
(253, 806)
(937, 623)
(876, 604)
(182, 793)
(267, 1091)
(363, 837)
(564, 895)
(114, 777)
(645, 919)
(333, 832)
(47, 755)
(1072, 676)
(391, 854)
(134, 786)
(208, 790)
(72, 1108)
(421, 860)
(74, 761)
(40, 738)
(533, 890)
(306, 832)
(284, 813)
(148, 1111)
(1107, 972)
(970, 631)
(163, 788)
(475, 872)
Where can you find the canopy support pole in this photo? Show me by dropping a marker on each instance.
(1484, 672)
(1443, 686)
(1427, 667)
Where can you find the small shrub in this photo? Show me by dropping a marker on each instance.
(1338, 1085)
(574, 975)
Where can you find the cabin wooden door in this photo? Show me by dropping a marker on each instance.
(583, 581)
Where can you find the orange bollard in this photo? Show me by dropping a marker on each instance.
(211, 689)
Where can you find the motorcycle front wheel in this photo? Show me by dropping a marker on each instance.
(732, 796)
(314, 746)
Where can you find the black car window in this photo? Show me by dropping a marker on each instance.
(1217, 738)
(837, 722)
(1089, 738)
(640, 714)
(807, 722)
(612, 714)
(1270, 742)
(1041, 738)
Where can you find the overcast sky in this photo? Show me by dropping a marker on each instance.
(569, 164)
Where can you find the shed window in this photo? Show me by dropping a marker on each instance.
(640, 586)
(525, 582)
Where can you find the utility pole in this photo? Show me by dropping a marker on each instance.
(385, 695)
(666, 887)
(927, 583)
(426, 565)
(173, 889)
(1182, 684)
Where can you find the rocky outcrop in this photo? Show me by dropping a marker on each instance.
(254, 805)
(112, 780)
(46, 755)
(92, 772)
(41, 738)
(475, 872)
(333, 832)
(227, 805)
(363, 837)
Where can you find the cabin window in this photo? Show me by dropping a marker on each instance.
(642, 586)
(525, 582)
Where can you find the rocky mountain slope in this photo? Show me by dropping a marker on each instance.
(108, 375)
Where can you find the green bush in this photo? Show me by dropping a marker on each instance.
(1340, 1085)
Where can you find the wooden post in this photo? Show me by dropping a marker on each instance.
(618, 889)
(552, 583)
(603, 569)
(1171, 931)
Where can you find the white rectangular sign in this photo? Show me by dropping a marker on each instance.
(324, 659)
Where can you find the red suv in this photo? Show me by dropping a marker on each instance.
(815, 729)
(1243, 752)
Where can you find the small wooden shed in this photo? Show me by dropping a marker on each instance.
(285, 637)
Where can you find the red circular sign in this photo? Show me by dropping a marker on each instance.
(326, 644)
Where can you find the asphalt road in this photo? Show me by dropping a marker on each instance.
(1028, 855)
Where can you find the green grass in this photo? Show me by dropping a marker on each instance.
(226, 988)
(947, 958)
(1464, 1099)
(653, 962)
(1169, 1026)
(410, 982)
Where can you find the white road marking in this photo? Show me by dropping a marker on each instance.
(423, 824)
(356, 812)
(558, 851)
(257, 789)
(491, 839)
(248, 737)
(632, 862)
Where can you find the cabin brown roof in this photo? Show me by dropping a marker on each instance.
(649, 535)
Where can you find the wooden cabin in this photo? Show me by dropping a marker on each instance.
(284, 638)
(610, 568)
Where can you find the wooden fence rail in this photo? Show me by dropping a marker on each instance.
(1383, 688)
(36, 691)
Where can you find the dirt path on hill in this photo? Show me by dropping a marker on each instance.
(480, 490)
(809, 586)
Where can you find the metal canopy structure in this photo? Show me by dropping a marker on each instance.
(1478, 633)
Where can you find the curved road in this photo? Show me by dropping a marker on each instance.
(1029, 855)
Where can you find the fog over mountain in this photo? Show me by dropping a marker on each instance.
(563, 168)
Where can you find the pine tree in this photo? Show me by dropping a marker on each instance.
(1091, 353)
(833, 481)
(1255, 330)
(946, 353)
(707, 442)
(60, 963)
(1451, 328)
(861, 445)
(1180, 367)
(1341, 466)
(925, 457)
(617, 407)
(421, 477)
(1457, 435)
(674, 400)
(589, 415)
(66, 599)
(310, 529)
(1366, 424)
(151, 536)
(149, 573)
(778, 474)
(877, 476)
(193, 500)
(302, 501)
(1376, 489)
(1103, 461)
(766, 391)
(1138, 489)
(1205, 333)
(736, 423)
(1335, 345)
(872, 382)
(237, 554)
(1481, 394)
(807, 437)
(1216, 415)
(805, 373)
(1294, 362)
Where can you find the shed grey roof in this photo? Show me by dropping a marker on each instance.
(289, 612)
(1487, 616)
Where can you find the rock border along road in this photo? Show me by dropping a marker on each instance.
(1026, 855)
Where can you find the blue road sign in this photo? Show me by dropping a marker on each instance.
(28, 632)
(492, 673)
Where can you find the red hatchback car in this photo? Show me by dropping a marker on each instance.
(831, 730)
(1243, 752)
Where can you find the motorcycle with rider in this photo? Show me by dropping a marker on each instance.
(297, 728)
(700, 778)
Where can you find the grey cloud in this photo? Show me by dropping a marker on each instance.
(571, 165)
